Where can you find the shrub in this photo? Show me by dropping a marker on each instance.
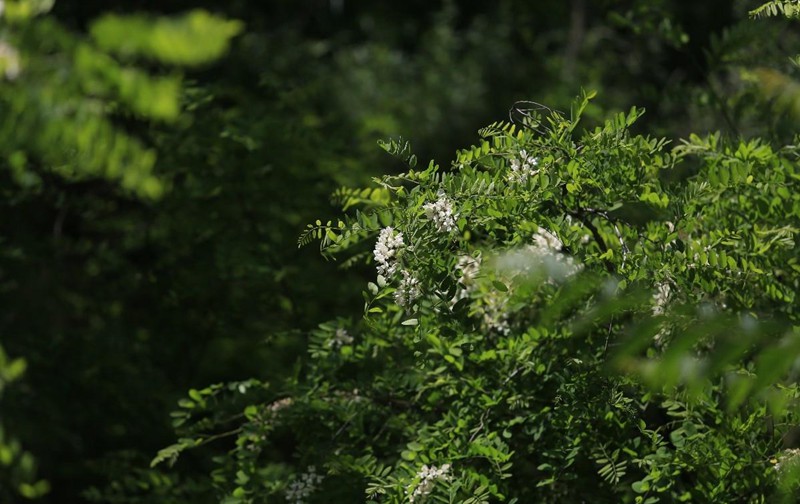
(510, 292)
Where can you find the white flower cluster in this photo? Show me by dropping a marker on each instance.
(385, 252)
(340, 338)
(280, 404)
(547, 241)
(389, 242)
(660, 298)
(408, 291)
(542, 259)
(427, 477)
(523, 168)
(441, 213)
(469, 267)
(547, 246)
(495, 316)
(788, 458)
(301, 488)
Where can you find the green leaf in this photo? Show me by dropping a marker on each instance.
(170, 453)
(415, 446)
(500, 286)
(193, 39)
(22, 10)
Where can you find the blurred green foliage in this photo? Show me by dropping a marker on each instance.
(161, 158)
(18, 467)
(193, 39)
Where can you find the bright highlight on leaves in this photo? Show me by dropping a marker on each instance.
(193, 39)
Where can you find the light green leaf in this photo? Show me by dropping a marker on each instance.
(193, 39)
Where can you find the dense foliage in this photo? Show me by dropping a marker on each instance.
(578, 308)
(504, 289)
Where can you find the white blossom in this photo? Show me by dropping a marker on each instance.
(542, 259)
(280, 404)
(303, 486)
(547, 241)
(523, 167)
(427, 478)
(441, 213)
(660, 337)
(408, 291)
(470, 267)
(494, 313)
(385, 252)
(340, 338)
(546, 251)
(660, 298)
(788, 458)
